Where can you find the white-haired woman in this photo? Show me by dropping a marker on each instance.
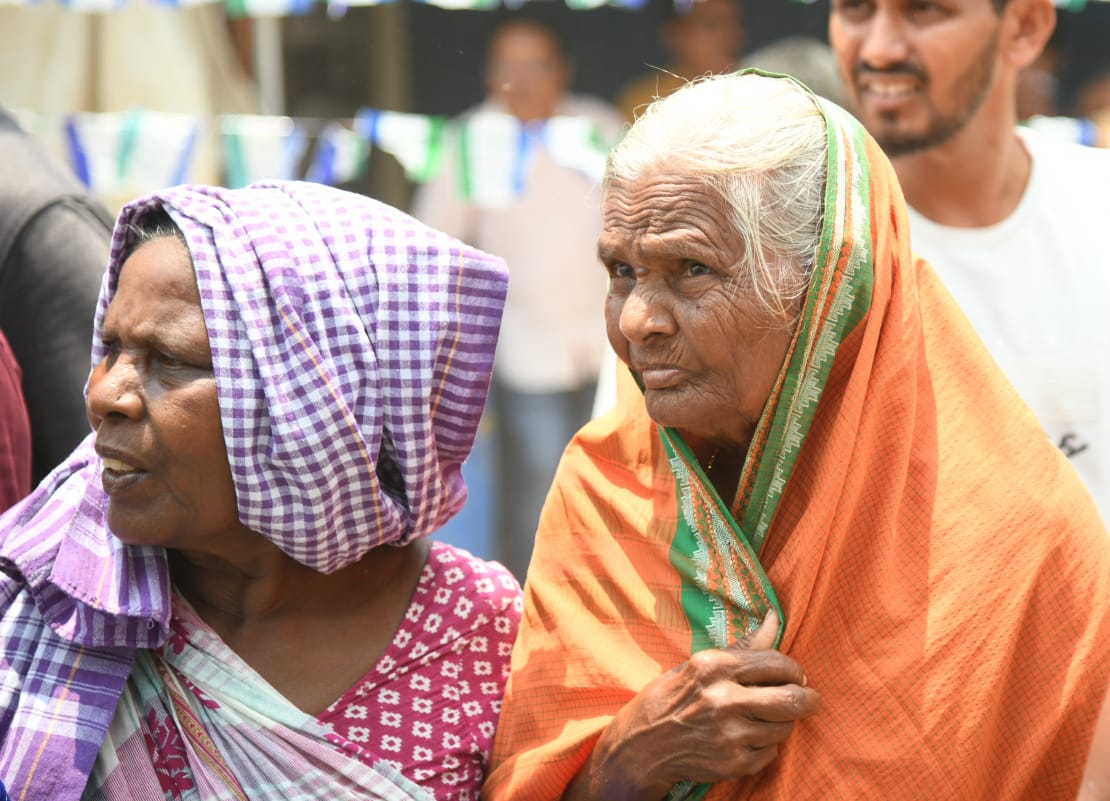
(820, 549)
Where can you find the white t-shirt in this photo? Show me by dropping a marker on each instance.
(1036, 287)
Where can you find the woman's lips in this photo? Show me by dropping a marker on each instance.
(660, 377)
(119, 476)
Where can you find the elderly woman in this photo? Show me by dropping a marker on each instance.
(819, 456)
(227, 592)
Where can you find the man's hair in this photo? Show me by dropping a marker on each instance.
(762, 144)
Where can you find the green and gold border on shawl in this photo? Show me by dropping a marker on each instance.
(839, 298)
(725, 594)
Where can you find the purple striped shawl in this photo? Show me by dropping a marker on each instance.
(352, 348)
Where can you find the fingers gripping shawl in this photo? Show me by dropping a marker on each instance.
(352, 348)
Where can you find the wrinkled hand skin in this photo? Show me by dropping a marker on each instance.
(721, 715)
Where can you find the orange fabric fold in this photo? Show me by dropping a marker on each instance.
(944, 576)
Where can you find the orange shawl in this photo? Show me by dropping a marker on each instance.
(943, 576)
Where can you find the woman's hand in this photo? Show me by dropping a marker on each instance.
(718, 716)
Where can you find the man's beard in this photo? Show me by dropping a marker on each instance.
(974, 86)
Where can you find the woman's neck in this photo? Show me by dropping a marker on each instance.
(310, 635)
(269, 584)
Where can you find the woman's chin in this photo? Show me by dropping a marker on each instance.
(671, 410)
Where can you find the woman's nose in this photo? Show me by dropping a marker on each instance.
(114, 389)
(644, 314)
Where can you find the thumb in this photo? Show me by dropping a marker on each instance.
(764, 636)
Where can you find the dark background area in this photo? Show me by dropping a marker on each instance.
(408, 56)
(328, 61)
(609, 46)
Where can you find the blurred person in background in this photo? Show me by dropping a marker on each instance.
(15, 432)
(551, 337)
(702, 37)
(54, 240)
(1011, 219)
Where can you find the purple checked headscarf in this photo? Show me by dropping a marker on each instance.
(352, 348)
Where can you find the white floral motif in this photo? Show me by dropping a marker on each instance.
(453, 641)
(450, 670)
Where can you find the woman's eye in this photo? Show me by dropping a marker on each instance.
(169, 361)
(697, 268)
(621, 270)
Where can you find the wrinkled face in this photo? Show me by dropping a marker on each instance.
(526, 72)
(707, 39)
(152, 401)
(917, 70)
(676, 313)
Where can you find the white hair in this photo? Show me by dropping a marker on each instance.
(761, 144)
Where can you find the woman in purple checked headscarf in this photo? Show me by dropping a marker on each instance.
(227, 591)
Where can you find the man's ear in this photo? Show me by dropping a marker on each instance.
(1027, 25)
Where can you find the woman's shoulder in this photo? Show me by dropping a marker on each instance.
(454, 571)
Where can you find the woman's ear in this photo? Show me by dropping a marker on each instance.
(1027, 25)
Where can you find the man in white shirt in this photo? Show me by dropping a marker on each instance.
(552, 334)
(1012, 220)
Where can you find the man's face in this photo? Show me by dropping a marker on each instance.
(917, 70)
(526, 71)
